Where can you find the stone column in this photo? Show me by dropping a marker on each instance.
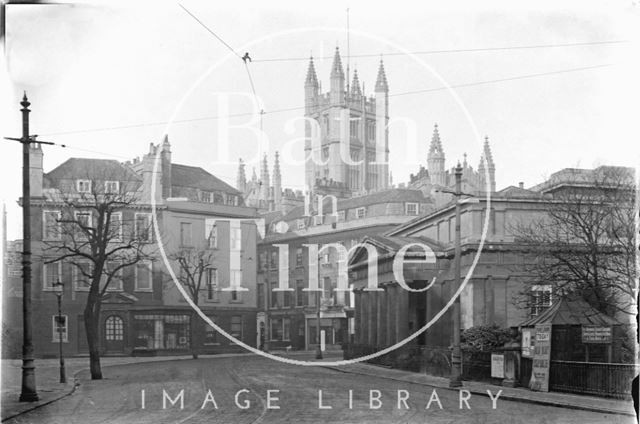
(391, 314)
(402, 313)
(357, 317)
(374, 318)
(382, 318)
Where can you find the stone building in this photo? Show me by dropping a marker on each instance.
(290, 317)
(140, 309)
(498, 290)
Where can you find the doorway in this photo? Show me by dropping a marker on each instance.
(114, 334)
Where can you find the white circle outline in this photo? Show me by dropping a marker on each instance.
(320, 363)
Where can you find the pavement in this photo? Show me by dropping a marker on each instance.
(50, 390)
(518, 394)
(48, 383)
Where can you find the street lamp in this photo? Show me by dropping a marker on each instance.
(59, 293)
(28, 392)
(455, 379)
(318, 349)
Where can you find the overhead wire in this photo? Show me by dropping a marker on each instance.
(442, 51)
(290, 109)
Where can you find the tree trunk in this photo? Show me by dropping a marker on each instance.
(92, 325)
(192, 337)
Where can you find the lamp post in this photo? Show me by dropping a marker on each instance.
(456, 355)
(318, 294)
(59, 293)
(455, 379)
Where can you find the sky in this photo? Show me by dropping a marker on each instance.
(550, 84)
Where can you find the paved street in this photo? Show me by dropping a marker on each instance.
(117, 398)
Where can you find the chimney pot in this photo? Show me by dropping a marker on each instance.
(521, 184)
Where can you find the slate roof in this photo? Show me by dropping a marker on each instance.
(513, 191)
(101, 169)
(394, 195)
(571, 311)
(196, 177)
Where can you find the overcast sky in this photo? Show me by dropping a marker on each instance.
(90, 69)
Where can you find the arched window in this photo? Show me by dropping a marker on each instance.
(114, 328)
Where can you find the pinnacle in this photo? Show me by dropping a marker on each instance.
(436, 144)
(355, 85)
(312, 78)
(381, 80)
(336, 68)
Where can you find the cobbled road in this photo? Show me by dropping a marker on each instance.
(257, 383)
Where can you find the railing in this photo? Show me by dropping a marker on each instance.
(594, 378)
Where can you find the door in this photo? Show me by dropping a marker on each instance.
(114, 334)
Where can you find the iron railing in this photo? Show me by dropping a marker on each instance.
(594, 378)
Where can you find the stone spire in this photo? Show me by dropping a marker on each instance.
(264, 180)
(312, 78)
(277, 182)
(241, 179)
(381, 80)
(254, 177)
(436, 145)
(336, 90)
(436, 158)
(487, 164)
(355, 85)
(336, 68)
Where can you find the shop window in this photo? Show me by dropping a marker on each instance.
(157, 331)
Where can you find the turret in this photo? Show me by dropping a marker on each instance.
(337, 80)
(241, 178)
(382, 123)
(311, 87)
(277, 183)
(487, 166)
(381, 80)
(264, 180)
(356, 91)
(436, 159)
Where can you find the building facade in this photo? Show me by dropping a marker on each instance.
(499, 290)
(290, 317)
(140, 313)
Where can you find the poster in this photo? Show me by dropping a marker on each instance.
(541, 359)
(527, 342)
(497, 365)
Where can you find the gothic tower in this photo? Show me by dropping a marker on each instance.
(435, 159)
(346, 148)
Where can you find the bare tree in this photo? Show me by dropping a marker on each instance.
(193, 267)
(100, 235)
(584, 244)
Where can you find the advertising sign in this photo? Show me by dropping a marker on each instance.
(596, 334)
(497, 365)
(527, 342)
(541, 359)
